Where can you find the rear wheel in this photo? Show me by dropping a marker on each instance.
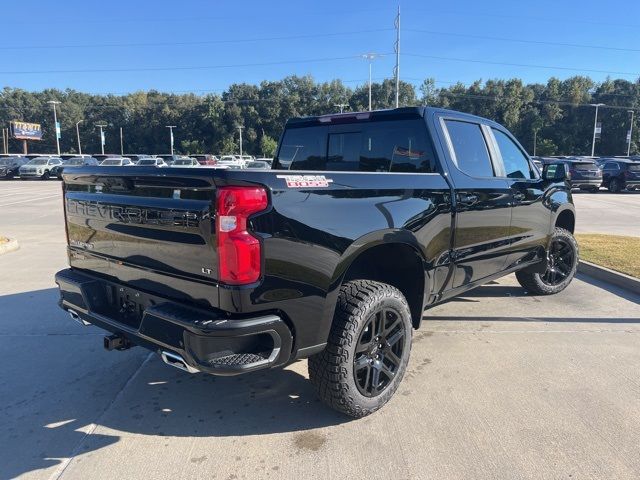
(595, 189)
(614, 185)
(562, 263)
(368, 349)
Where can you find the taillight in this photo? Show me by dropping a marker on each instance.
(239, 252)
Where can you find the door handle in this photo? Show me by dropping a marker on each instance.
(467, 199)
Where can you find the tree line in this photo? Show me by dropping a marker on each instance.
(559, 113)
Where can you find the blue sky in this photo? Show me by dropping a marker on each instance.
(249, 41)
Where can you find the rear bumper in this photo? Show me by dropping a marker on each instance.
(208, 340)
(586, 183)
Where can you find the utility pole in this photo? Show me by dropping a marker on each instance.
(101, 126)
(341, 106)
(629, 133)
(171, 127)
(240, 127)
(595, 125)
(55, 120)
(4, 142)
(78, 137)
(535, 140)
(396, 70)
(370, 57)
(121, 143)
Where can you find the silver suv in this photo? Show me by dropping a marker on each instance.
(39, 167)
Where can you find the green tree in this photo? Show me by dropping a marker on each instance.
(268, 146)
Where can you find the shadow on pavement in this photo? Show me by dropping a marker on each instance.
(51, 399)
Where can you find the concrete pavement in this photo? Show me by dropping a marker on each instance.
(500, 385)
(605, 212)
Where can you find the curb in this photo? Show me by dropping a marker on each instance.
(9, 246)
(618, 279)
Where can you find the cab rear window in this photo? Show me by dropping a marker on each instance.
(383, 146)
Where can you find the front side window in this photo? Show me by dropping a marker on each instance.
(515, 163)
(470, 148)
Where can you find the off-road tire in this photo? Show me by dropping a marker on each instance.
(332, 371)
(533, 282)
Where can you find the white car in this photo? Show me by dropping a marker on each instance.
(116, 162)
(151, 162)
(186, 163)
(39, 167)
(232, 160)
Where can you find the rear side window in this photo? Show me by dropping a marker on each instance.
(470, 148)
(378, 146)
(515, 163)
(303, 148)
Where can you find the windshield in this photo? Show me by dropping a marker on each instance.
(182, 162)
(146, 162)
(7, 161)
(38, 161)
(74, 161)
(257, 165)
(111, 162)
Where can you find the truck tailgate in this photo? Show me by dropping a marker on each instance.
(123, 219)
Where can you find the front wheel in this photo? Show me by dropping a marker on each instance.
(368, 349)
(46, 175)
(562, 263)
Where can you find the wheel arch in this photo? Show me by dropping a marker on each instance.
(392, 257)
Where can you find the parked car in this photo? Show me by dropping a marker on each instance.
(265, 278)
(619, 174)
(206, 159)
(265, 159)
(139, 156)
(151, 162)
(10, 166)
(39, 167)
(583, 174)
(186, 163)
(116, 162)
(232, 160)
(72, 162)
(256, 165)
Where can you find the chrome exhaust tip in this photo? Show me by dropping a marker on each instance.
(175, 360)
(76, 317)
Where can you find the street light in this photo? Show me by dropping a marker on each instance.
(630, 132)
(78, 136)
(341, 106)
(171, 127)
(55, 121)
(240, 127)
(595, 125)
(370, 57)
(101, 126)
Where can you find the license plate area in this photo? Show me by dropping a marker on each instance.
(125, 305)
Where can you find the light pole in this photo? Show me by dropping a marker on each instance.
(370, 57)
(535, 140)
(630, 132)
(595, 125)
(341, 106)
(101, 126)
(121, 143)
(240, 127)
(78, 137)
(55, 121)
(171, 127)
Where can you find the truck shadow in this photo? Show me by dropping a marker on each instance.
(49, 401)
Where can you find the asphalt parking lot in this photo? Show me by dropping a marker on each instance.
(500, 385)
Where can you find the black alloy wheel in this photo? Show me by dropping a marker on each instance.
(379, 352)
(560, 261)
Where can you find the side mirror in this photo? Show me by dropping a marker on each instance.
(555, 172)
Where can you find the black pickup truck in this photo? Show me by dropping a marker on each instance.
(366, 220)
